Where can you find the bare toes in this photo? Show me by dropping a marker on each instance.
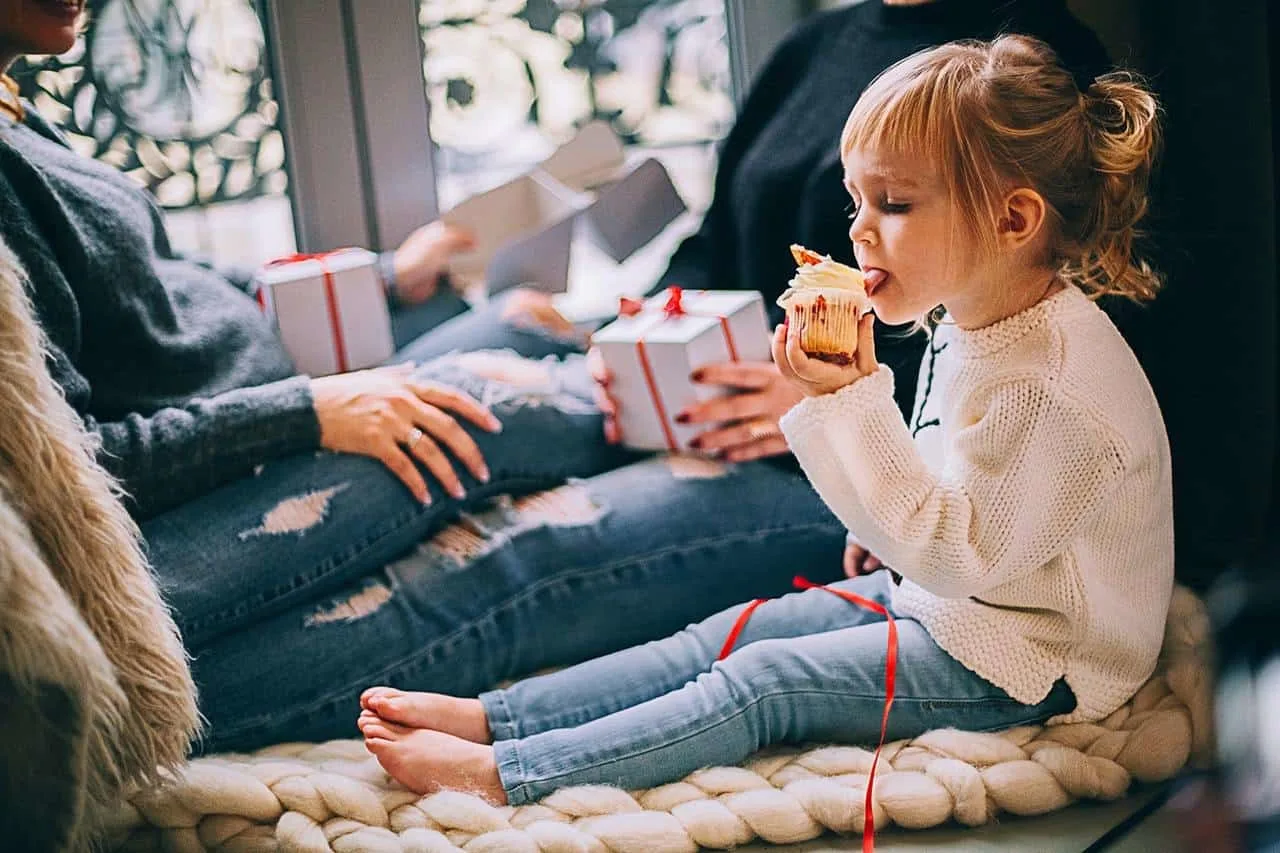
(383, 729)
(373, 693)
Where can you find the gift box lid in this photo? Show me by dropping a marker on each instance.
(703, 310)
(304, 268)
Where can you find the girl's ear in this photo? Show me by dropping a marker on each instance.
(1021, 218)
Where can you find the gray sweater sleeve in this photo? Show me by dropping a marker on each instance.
(168, 457)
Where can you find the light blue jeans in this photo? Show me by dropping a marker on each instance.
(808, 667)
(299, 587)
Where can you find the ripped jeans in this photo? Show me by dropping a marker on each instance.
(320, 576)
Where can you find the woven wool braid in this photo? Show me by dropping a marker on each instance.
(334, 797)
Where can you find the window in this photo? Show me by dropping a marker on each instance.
(262, 125)
(507, 80)
(176, 93)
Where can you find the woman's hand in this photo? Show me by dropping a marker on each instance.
(605, 402)
(746, 423)
(533, 309)
(424, 256)
(814, 377)
(859, 561)
(391, 416)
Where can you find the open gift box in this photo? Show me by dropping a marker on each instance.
(524, 228)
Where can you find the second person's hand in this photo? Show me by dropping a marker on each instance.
(391, 416)
(745, 424)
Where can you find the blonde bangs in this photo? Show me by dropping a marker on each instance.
(924, 107)
(895, 115)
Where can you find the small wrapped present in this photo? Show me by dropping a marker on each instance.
(330, 310)
(654, 348)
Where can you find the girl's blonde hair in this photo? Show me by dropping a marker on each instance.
(1005, 113)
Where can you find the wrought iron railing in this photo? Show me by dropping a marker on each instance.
(174, 92)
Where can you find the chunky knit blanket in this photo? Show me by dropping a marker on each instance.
(334, 797)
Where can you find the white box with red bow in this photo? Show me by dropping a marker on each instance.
(330, 310)
(652, 351)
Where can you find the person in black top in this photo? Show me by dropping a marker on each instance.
(282, 514)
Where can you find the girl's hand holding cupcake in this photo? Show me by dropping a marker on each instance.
(815, 376)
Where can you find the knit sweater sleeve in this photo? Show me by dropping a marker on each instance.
(166, 458)
(1023, 473)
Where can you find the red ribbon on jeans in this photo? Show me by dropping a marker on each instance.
(330, 299)
(674, 307)
(890, 677)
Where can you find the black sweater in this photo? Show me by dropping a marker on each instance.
(780, 180)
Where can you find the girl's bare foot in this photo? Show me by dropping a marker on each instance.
(464, 718)
(427, 761)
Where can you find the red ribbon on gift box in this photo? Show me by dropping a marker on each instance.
(330, 298)
(890, 678)
(674, 307)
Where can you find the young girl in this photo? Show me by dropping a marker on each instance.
(1027, 505)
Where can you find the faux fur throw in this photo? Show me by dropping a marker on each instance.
(79, 609)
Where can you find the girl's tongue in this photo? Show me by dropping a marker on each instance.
(873, 277)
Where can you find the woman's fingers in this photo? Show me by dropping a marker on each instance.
(737, 434)
(401, 465)
(443, 429)
(736, 407)
(774, 445)
(742, 375)
(424, 448)
(454, 400)
(595, 366)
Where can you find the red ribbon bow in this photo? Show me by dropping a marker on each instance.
(890, 677)
(330, 298)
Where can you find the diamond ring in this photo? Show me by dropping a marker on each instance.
(415, 435)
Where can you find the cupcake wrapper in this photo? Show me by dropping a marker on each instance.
(828, 327)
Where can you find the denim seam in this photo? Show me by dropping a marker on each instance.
(512, 758)
(339, 694)
(502, 723)
(327, 567)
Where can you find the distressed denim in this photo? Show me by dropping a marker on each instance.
(320, 576)
(809, 666)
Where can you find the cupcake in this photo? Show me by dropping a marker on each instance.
(824, 302)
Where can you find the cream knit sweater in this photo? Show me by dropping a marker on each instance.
(1030, 516)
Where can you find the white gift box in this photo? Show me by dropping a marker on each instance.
(329, 309)
(652, 354)
(524, 228)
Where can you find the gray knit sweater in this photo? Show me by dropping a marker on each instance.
(167, 361)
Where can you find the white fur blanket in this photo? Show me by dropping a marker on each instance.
(334, 797)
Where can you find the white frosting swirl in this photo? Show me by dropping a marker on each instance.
(826, 275)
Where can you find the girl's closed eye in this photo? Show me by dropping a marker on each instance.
(894, 207)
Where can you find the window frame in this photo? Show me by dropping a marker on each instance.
(360, 164)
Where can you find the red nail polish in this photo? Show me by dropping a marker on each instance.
(682, 418)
